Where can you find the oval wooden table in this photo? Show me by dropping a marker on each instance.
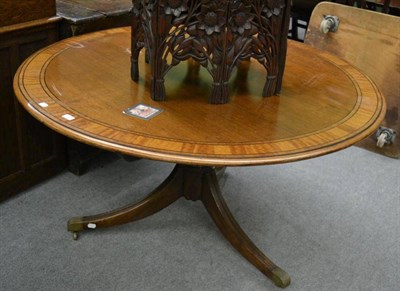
(80, 87)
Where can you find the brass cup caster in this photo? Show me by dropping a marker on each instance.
(280, 278)
(75, 235)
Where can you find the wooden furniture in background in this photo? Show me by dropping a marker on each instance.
(300, 15)
(81, 16)
(29, 151)
(325, 105)
(385, 5)
(15, 12)
(302, 9)
(371, 42)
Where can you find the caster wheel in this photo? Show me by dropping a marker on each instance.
(75, 235)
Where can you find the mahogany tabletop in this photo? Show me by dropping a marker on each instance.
(80, 87)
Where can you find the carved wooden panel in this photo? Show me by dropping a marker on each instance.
(218, 35)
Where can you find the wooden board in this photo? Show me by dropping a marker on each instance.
(83, 16)
(325, 105)
(106, 7)
(370, 41)
(13, 12)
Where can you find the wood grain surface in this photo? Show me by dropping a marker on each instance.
(13, 12)
(325, 105)
(370, 41)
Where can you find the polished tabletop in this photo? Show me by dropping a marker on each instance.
(80, 87)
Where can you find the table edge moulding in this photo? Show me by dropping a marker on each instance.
(338, 136)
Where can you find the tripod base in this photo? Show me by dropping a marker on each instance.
(193, 183)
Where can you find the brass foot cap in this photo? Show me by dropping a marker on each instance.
(75, 224)
(280, 278)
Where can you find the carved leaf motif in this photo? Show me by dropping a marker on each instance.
(179, 20)
(230, 56)
(185, 44)
(180, 38)
(217, 57)
(216, 33)
(192, 30)
(238, 44)
(197, 45)
(183, 53)
(256, 42)
(264, 21)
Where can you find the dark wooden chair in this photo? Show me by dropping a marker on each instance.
(370, 41)
(302, 9)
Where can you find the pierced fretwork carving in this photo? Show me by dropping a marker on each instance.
(216, 34)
